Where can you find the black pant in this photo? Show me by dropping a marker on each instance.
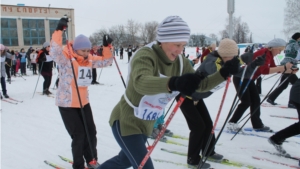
(290, 131)
(13, 70)
(258, 84)
(3, 85)
(94, 74)
(200, 125)
(129, 56)
(7, 69)
(250, 98)
(121, 55)
(47, 82)
(73, 121)
(33, 67)
(23, 67)
(292, 78)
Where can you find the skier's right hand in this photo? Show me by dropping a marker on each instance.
(62, 24)
(288, 67)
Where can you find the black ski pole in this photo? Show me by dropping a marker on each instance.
(119, 71)
(79, 98)
(38, 79)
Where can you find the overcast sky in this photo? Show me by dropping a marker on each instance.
(264, 17)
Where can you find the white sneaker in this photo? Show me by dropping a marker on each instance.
(234, 127)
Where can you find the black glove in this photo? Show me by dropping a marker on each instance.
(259, 61)
(185, 84)
(230, 67)
(107, 40)
(62, 24)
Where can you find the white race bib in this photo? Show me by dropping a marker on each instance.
(221, 85)
(84, 76)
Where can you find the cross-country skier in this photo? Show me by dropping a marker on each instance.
(67, 99)
(157, 73)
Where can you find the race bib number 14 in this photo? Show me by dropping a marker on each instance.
(84, 76)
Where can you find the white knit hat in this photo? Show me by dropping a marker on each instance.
(228, 47)
(277, 42)
(173, 29)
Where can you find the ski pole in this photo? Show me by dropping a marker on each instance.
(271, 76)
(100, 74)
(37, 79)
(79, 98)
(215, 124)
(169, 108)
(119, 71)
(161, 133)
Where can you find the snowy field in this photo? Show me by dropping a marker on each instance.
(33, 131)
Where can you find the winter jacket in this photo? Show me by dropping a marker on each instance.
(291, 51)
(3, 58)
(269, 63)
(212, 64)
(295, 92)
(22, 57)
(144, 79)
(204, 54)
(66, 95)
(33, 57)
(45, 66)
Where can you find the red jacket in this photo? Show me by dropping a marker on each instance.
(206, 52)
(264, 69)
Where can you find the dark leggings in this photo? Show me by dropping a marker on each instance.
(74, 124)
(200, 125)
(290, 131)
(292, 78)
(47, 82)
(7, 69)
(250, 98)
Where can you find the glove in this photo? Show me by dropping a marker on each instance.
(247, 57)
(62, 24)
(230, 67)
(107, 40)
(185, 84)
(259, 61)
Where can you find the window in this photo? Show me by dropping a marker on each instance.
(33, 31)
(9, 33)
(53, 25)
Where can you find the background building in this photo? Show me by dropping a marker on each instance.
(24, 26)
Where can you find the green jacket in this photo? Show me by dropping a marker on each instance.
(146, 67)
(291, 49)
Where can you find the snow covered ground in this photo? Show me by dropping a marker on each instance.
(33, 131)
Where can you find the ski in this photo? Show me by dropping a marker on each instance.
(15, 100)
(175, 163)
(285, 117)
(275, 162)
(255, 135)
(280, 155)
(223, 161)
(47, 95)
(271, 131)
(178, 136)
(67, 160)
(8, 101)
(270, 105)
(53, 165)
(174, 142)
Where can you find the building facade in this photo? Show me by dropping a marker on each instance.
(28, 26)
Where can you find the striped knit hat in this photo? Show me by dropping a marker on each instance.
(173, 29)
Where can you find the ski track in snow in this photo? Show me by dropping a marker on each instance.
(33, 131)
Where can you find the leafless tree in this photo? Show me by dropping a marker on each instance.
(240, 31)
(202, 40)
(250, 38)
(148, 32)
(96, 37)
(291, 17)
(133, 29)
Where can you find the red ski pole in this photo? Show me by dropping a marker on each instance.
(215, 124)
(161, 133)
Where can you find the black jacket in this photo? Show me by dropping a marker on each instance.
(44, 67)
